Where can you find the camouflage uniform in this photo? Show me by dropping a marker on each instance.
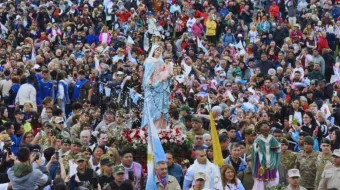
(191, 134)
(307, 166)
(67, 157)
(321, 162)
(75, 130)
(288, 159)
(44, 143)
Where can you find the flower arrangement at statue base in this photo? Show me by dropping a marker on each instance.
(172, 139)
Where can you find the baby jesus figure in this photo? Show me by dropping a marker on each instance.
(166, 71)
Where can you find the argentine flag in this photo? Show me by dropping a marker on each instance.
(155, 154)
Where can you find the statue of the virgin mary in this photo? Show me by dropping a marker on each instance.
(156, 85)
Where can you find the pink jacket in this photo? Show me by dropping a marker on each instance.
(197, 30)
(108, 38)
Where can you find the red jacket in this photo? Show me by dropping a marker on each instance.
(274, 10)
(322, 43)
(124, 16)
(296, 35)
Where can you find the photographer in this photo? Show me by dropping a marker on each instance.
(23, 176)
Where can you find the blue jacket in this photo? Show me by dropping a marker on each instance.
(92, 38)
(242, 165)
(176, 171)
(16, 143)
(224, 12)
(46, 89)
(228, 38)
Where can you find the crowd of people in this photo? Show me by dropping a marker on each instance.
(75, 74)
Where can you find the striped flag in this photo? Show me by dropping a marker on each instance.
(155, 154)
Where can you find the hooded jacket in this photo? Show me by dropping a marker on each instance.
(23, 176)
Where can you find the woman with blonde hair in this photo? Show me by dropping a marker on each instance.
(253, 34)
(105, 36)
(114, 155)
(229, 180)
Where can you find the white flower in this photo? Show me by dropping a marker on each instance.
(144, 141)
(132, 134)
(172, 140)
(167, 130)
(134, 146)
(142, 134)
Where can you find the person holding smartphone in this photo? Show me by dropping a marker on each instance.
(23, 176)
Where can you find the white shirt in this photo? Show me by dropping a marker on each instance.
(61, 93)
(190, 22)
(26, 93)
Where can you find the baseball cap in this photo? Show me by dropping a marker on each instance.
(66, 140)
(197, 119)
(200, 175)
(336, 153)
(119, 169)
(36, 67)
(250, 131)
(293, 173)
(76, 141)
(18, 112)
(106, 162)
(59, 120)
(79, 157)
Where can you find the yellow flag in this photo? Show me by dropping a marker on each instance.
(218, 158)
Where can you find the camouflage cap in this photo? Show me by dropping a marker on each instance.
(66, 140)
(284, 141)
(119, 169)
(79, 157)
(250, 131)
(76, 141)
(197, 119)
(106, 162)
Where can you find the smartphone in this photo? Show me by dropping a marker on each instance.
(202, 106)
(335, 93)
(290, 120)
(131, 175)
(57, 155)
(36, 152)
(9, 150)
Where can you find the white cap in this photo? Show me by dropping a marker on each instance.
(59, 120)
(293, 173)
(36, 66)
(336, 153)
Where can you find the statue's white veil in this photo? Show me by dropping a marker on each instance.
(153, 59)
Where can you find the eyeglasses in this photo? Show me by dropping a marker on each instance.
(120, 174)
(326, 145)
(80, 161)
